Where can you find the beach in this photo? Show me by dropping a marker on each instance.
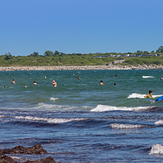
(97, 67)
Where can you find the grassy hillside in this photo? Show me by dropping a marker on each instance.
(75, 60)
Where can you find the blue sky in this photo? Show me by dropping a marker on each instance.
(80, 26)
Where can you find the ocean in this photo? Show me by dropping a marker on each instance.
(81, 121)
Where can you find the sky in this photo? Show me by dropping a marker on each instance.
(80, 26)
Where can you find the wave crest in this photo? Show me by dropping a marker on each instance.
(147, 76)
(125, 126)
(49, 120)
(156, 149)
(103, 108)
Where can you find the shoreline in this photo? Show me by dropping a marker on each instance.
(98, 67)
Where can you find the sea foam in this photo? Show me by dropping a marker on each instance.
(2, 116)
(49, 120)
(160, 122)
(103, 108)
(147, 77)
(125, 126)
(137, 95)
(53, 99)
(156, 149)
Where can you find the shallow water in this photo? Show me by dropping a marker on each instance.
(79, 120)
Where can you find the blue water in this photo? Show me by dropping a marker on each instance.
(80, 120)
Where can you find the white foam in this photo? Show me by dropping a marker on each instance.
(160, 122)
(2, 116)
(147, 77)
(49, 120)
(125, 126)
(43, 106)
(156, 149)
(136, 95)
(53, 99)
(103, 108)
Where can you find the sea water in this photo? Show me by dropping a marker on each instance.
(80, 120)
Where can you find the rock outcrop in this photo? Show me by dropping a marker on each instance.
(37, 149)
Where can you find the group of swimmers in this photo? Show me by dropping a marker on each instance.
(146, 96)
(101, 82)
(54, 83)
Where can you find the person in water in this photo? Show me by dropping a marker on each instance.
(13, 81)
(78, 77)
(101, 82)
(54, 83)
(149, 95)
(34, 83)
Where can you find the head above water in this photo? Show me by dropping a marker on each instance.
(150, 92)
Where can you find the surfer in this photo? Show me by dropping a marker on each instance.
(13, 81)
(101, 82)
(149, 95)
(54, 83)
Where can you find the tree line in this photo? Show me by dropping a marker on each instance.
(77, 59)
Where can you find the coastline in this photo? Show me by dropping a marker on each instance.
(97, 67)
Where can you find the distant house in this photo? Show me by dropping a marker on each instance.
(118, 61)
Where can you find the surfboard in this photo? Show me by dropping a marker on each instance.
(160, 98)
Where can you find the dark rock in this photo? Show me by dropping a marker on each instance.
(6, 159)
(37, 149)
(43, 160)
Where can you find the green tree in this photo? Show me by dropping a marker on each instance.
(160, 50)
(35, 54)
(8, 56)
(146, 52)
(48, 53)
(56, 53)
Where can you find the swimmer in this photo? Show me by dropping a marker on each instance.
(45, 77)
(25, 86)
(149, 95)
(54, 83)
(13, 81)
(115, 76)
(34, 83)
(101, 82)
(5, 86)
(115, 84)
(78, 77)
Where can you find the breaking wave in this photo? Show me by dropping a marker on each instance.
(125, 126)
(53, 99)
(136, 95)
(103, 108)
(147, 76)
(156, 149)
(49, 120)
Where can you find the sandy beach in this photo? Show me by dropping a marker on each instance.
(98, 67)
